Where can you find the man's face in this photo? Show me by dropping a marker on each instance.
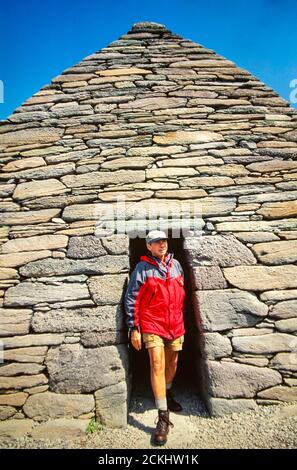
(158, 248)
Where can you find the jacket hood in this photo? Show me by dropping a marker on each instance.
(156, 261)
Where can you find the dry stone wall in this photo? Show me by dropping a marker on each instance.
(159, 119)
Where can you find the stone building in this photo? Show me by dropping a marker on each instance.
(154, 122)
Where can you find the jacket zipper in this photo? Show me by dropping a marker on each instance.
(169, 307)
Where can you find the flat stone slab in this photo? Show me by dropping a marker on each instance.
(47, 339)
(275, 253)
(154, 103)
(285, 361)
(223, 309)
(103, 319)
(31, 136)
(105, 264)
(22, 381)
(230, 380)
(75, 369)
(264, 344)
(260, 278)
(107, 289)
(13, 399)
(187, 137)
(15, 428)
(15, 321)
(219, 250)
(216, 345)
(54, 405)
(111, 405)
(60, 429)
(222, 406)
(30, 293)
(286, 412)
(280, 392)
(87, 246)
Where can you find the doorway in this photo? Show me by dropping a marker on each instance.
(187, 376)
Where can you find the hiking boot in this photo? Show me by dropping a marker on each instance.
(172, 404)
(162, 428)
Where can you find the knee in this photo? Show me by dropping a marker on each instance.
(172, 360)
(157, 365)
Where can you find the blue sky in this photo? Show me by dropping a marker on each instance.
(41, 39)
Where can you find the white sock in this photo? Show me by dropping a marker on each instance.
(168, 386)
(161, 403)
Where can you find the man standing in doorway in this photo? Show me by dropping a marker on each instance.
(154, 304)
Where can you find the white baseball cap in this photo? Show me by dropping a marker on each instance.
(155, 235)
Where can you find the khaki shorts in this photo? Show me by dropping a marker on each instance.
(151, 340)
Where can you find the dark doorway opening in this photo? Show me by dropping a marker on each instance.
(187, 375)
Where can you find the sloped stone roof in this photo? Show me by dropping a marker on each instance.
(153, 115)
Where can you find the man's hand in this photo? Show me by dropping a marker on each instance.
(136, 339)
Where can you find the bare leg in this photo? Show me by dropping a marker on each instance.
(157, 363)
(171, 358)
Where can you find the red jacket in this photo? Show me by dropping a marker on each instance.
(154, 300)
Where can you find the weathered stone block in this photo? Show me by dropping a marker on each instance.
(60, 429)
(34, 189)
(278, 210)
(105, 318)
(228, 380)
(53, 405)
(31, 136)
(15, 429)
(215, 346)
(287, 326)
(13, 399)
(154, 103)
(116, 244)
(22, 381)
(111, 405)
(103, 338)
(279, 393)
(15, 321)
(260, 278)
(12, 369)
(19, 259)
(107, 289)
(219, 250)
(26, 354)
(32, 340)
(28, 217)
(83, 247)
(6, 412)
(187, 137)
(30, 293)
(105, 264)
(207, 277)
(264, 344)
(221, 406)
(41, 242)
(285, 361)
(75, 369)
(285, 309)
(224, 309)
(96, 178)
(275, 253)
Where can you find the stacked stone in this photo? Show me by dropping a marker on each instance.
(247, 314)
(160, 120)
